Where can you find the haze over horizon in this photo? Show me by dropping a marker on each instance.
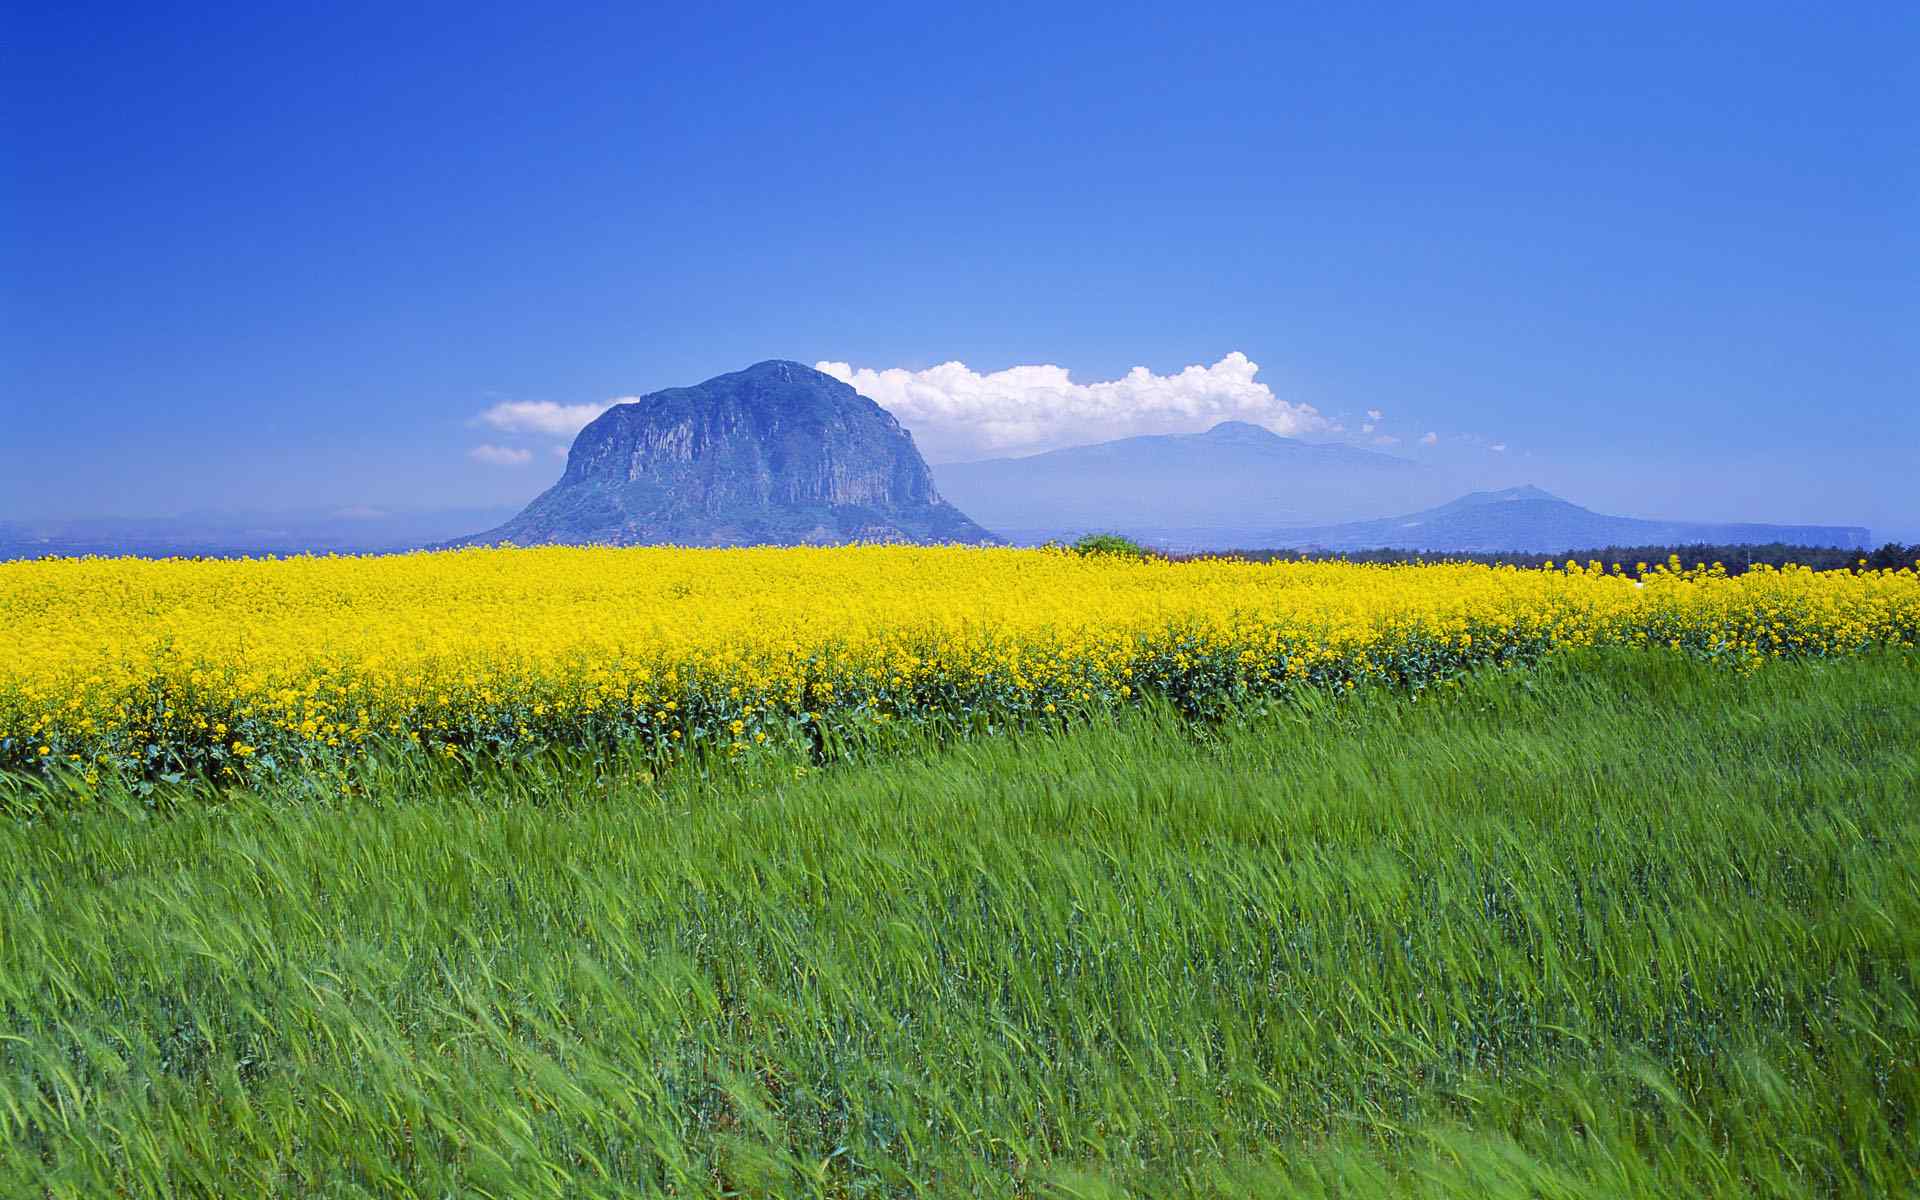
(392, 260)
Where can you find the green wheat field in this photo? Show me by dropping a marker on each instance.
(1624, 925)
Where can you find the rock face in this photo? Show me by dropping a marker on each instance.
(777, 454)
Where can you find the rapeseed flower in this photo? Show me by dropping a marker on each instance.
(279, 665)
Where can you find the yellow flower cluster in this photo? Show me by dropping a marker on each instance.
(229, 667)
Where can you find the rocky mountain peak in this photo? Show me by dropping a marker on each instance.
(777, 453)
(1241, 431)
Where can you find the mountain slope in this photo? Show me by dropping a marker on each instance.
(1526, 519)
(1234, 476)
(775, 454)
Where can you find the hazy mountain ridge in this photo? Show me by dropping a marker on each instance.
(1527, 519)
(225, 535)
(776, 454)
(1236, 476)
(1239, 486)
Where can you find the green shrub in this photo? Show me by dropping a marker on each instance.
(1109, 544)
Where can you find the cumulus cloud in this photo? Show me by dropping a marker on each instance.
(1374, 414)
(956, 412)
(1432, 439)
(544, 416)
(500, 456)
(1498, 447)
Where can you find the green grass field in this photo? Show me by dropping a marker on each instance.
(1624, 925)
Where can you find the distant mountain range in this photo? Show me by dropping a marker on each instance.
(1527, 519)
(1210, 488)
(776, 454)
(221, 535)
(1240, 486)
(783, 454)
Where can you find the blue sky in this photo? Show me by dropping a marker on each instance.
(257, 260)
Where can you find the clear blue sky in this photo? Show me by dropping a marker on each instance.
(259, 259)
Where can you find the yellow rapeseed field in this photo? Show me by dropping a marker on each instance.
(233, 667)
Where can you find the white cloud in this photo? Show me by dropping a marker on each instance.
(1367, 428)
(1498, 447)
(1386, 439)
(956, 412)
(544, 416)
(1432, 439)
(1374, 414)
(500, 456)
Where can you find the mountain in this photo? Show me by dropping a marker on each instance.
(775, 454)
(1528, 520)
(1186, 490)
(356, 530)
